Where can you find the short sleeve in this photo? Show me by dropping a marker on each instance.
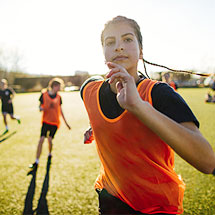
(170, 103)
(41, 99)
(10, 90)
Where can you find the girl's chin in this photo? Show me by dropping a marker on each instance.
(123, 64)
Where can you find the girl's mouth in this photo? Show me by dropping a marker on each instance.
(120, 58)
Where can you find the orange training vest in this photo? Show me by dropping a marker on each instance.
(137, 166)
(51, 112)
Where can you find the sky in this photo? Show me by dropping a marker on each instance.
(59, 37)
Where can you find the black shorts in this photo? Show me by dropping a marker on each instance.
(47, 127)
(109, 204)
(7, 108)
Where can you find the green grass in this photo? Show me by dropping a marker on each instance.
(200, 188)
(75, 166)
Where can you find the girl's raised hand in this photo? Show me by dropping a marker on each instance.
(127, 94)
(88, 136)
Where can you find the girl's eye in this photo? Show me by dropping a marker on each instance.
(128, 40)
(109, 43)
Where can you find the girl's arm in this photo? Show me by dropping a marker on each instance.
(11, 95)
(41, 108)
(184, 138)
(64, 118)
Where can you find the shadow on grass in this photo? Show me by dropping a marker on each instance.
(5, 138)
(42, 206)
(30, 194)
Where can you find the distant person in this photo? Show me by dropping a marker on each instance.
(7, 94)
(137, 124)
(50, 105)
(210, 96)
(167, 79)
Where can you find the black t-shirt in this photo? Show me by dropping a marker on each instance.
(6, 95)
(51, 96)
(164, 99)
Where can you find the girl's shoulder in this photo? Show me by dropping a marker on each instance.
(145, 85)
(162, 91)
(89, 80)
(9, 89)
(159, 85)
(169, 102)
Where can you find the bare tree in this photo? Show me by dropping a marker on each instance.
(10, 64)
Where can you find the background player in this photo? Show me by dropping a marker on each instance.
(7, 94)
(50, 105)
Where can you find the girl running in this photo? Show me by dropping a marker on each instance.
(7, 94)
(50, 104)
(137, 124)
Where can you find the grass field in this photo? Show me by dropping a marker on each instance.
(67, 185)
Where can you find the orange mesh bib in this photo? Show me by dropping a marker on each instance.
(137, 166)
(51, 112)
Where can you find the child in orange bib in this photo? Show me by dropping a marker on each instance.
(50, 105)
(137, 124)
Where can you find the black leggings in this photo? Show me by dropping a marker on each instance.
(109, 205)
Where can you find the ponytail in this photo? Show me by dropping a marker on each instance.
(173, 70)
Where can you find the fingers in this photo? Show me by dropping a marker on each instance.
(114, 68)
(116, 72)
(120, 77)
(112, 71)
(111, 65)
(119, 86)
(86, 136)
(88, 133)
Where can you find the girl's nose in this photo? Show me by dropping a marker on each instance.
(119, 47)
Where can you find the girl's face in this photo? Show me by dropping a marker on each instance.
(121, 46)
(2, 85)
(56, 88)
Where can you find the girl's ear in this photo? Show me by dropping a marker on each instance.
(141, 54)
